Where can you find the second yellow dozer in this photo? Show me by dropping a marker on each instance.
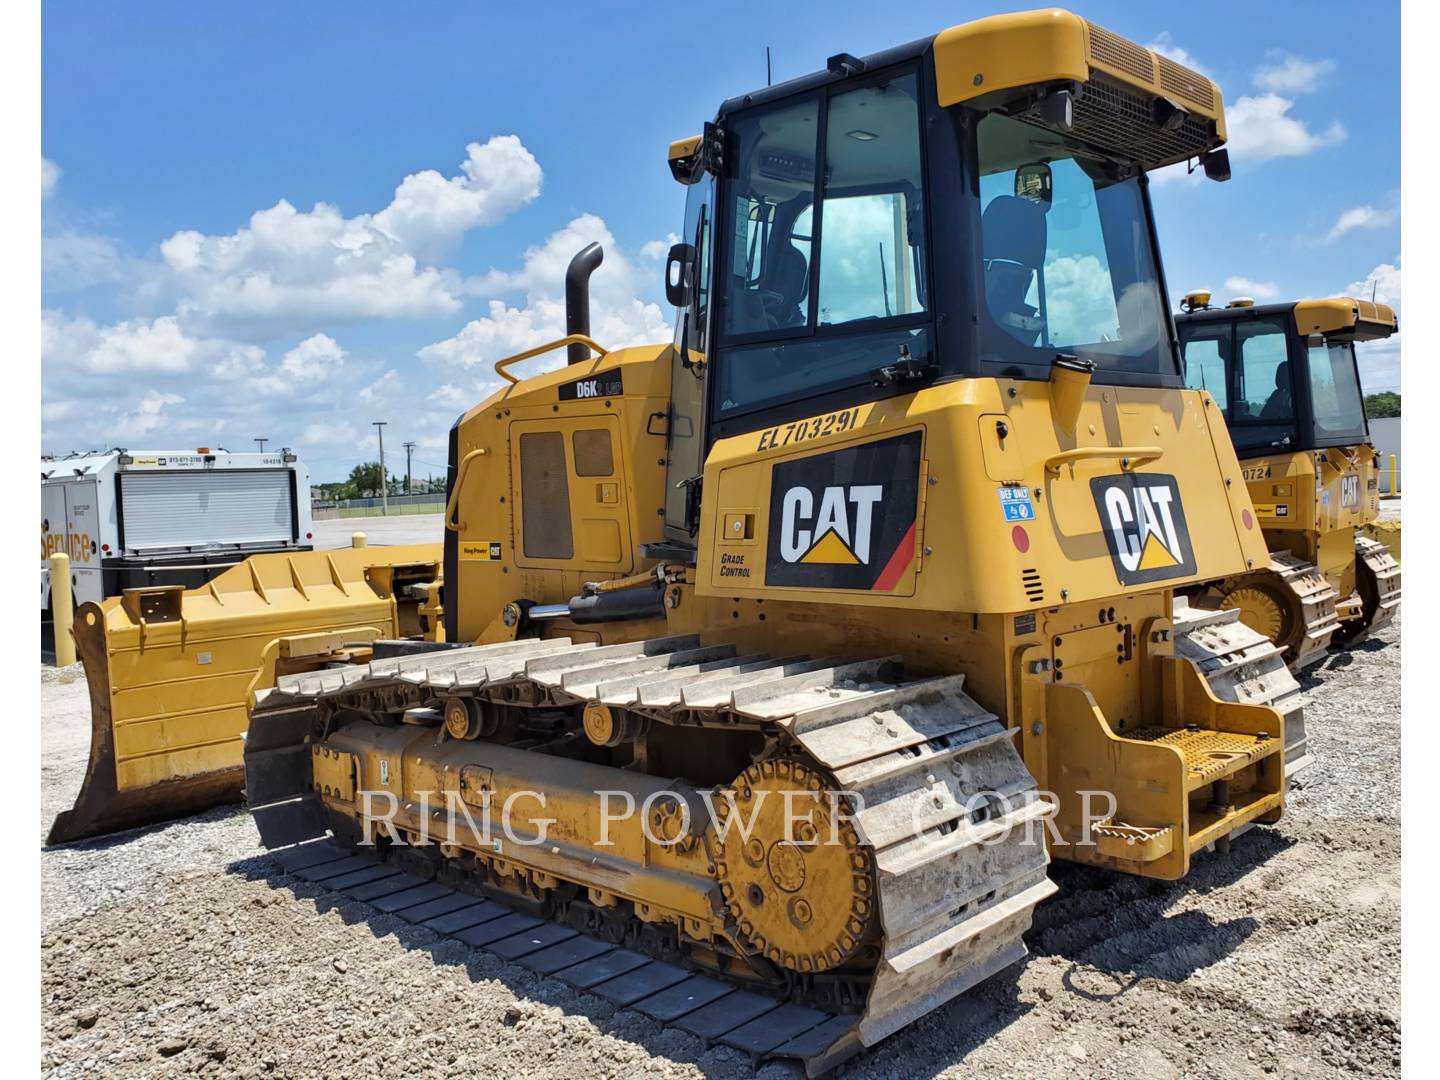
(1286, 378)
(780, 659)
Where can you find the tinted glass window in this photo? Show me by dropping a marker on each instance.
(1262, 415)
(1335, 394)
(774, 183)
(868, 234)
(1206, 348)
(1071, 273)
(1265, 385)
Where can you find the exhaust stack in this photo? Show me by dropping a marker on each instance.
(577, 297)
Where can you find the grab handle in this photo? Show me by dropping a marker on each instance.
(1130, 456)
(453, 503)
(569, 339)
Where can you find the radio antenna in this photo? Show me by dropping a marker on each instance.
(767, 65)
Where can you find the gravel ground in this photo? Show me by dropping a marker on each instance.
(178, 949)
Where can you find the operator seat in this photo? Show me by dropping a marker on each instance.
(789, 280)
(1012, 231)
(1278, 405)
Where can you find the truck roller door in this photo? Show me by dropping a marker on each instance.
(220, 507)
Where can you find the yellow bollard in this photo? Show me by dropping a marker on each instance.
(1394, 477)
(62, 603)
(358, 540)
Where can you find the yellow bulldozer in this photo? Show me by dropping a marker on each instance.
(761, 672)
(1286, 379)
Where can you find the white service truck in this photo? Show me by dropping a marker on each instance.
(132, 518)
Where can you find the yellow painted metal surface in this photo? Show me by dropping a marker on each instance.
(611, 506)
(1034, 48)
(1175, 438)
(171, 670)
(1345, 316)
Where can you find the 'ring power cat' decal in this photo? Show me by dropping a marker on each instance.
(846, 519)
(1144, 525)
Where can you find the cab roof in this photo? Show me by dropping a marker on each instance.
(1338, 317)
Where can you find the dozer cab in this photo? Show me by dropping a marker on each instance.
(1286, 379)
(779, 659)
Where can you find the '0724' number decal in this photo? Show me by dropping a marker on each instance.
(815, 428)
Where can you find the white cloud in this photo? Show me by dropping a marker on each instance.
(1293, 75)
(1256, 290)
(49, 177)
(617, 317)
(315, 362)
(76, 260)
(1383, 282)
(290, 269)
(331, 435)
(147, 416)
(1261, 127)
(1360, 217)
(137, 345)
(1165, 45)
(386, 388)
(658, 249)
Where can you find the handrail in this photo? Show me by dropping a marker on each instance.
(569, 339)
(454, 501)
(1129, 456)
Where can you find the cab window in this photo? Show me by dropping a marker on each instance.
(1206, 349)
(1335, 398)
(1265, 384)
(1262, 414)
(826, 255)
(1067, 255)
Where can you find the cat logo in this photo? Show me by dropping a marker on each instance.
(1144, 525)
(846, 519)
(1350, 490)
(841, 531)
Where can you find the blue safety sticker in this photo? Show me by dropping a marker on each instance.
(1016, 504)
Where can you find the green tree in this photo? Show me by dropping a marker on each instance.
(365, 480)
(1382, 405)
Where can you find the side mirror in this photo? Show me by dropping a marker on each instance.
(679, 266)
(1217, 164)
(1035, 182)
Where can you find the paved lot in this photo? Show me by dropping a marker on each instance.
(407, 529)
(181, 948)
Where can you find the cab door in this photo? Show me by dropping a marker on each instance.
(574, 503)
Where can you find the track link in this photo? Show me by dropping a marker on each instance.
(1243, 665)
(956, 883)
(1376, 560)
(1316, 599)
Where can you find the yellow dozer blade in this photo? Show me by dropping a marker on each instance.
(171, 671)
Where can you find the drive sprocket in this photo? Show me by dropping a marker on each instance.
(796, 878)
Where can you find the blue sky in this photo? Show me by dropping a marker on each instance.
(173, 318)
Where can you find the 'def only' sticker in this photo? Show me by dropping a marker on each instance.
(1144, 525)
(1016, 505)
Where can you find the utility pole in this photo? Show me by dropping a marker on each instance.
(384, 477)
(409, 449)
(262, 443)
